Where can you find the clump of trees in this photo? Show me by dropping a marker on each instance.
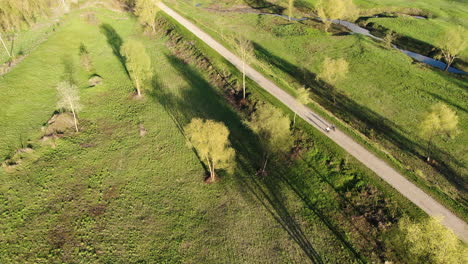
(146, 11)
(69, 99)
(451, 44)
(439, 122)
(428, 241)
(333, 71)
(328, 10)
(137, 62)
(273, 129)
(211, 141)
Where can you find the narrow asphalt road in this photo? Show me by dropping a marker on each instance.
(382, 169)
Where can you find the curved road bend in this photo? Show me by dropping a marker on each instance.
(382, 169)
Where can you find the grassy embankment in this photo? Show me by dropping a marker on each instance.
(26, 40)
(108, 194)
(383, 98)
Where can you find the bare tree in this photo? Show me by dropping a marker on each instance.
(69, 99)
(245, 50)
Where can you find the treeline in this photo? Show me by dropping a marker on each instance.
(16, 15)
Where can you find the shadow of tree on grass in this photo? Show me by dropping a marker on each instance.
(200, 99)
(115, 42)
(366, 119)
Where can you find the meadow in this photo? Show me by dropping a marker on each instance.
(383, 98)
(128, 189)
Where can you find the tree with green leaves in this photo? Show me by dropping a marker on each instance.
(389, 38)
(333, 72)
(451, 44)
(69, 99)
(428, 241)
(146, 11)
(290, 9)
(328, 10)
(303, 97)
(245, 50)
(137, 62)
(439, 122)
(273, 128)
(211, 141)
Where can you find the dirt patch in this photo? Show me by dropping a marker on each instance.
(16, 160)
(94, 80)
(142, 130)
(6, 67)
(57, 125)
(90, 18)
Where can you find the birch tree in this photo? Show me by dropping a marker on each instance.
(451, 44)
(428, 241)
(290, 9)
(211, 141)
(146, 11)
(69, 99)
(439, 122)
(245, 50)
(138, 63)
(333, 71)
(303, 97)
(328, 10)
(273, 128)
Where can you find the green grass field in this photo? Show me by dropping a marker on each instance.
(109, 195)
(384, 96)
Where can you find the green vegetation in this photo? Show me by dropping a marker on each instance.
(329, 10)
(69, 99)
(452, 43)
(146, 11)
(137, 62)
(303, 97)
(441, 121)
(125, 188)
(429, 241)
(382, 101)
(16, 15)
(333, 71)
(273, 129)
(210, 140)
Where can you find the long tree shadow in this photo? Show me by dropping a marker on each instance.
(115, 42)
(265, 6)
(200, 99)
(366, 119)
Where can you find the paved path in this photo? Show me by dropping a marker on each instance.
(383, 170)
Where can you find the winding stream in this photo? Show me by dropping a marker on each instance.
(356, 29)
